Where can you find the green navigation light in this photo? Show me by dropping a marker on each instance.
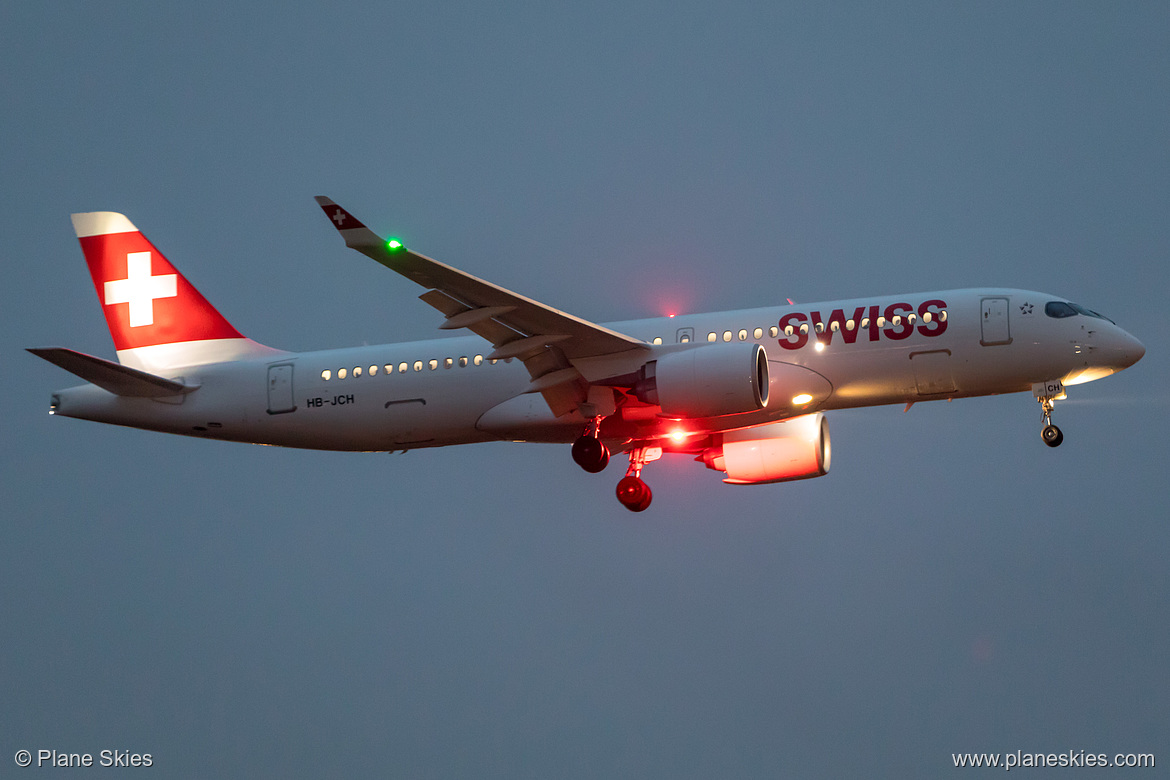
(394, 244)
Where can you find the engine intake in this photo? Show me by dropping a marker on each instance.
(706, 381)
(777, 452)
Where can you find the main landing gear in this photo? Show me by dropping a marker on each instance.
(588, 451)
(592, 455)
(635, 494)
(1047, 394)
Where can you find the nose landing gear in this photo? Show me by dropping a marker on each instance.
(632, 492)
(1047, 393)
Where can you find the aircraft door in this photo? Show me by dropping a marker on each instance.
(994, 320)
(280, 389)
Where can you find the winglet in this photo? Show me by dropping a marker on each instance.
(356, 234)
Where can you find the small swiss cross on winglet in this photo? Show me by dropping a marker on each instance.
(353, 232)
(341, 218)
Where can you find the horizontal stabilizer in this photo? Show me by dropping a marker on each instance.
(114, 377)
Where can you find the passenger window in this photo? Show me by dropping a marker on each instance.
(774, 331)
(357, 371)
(657, 339)
(402, 368)
(478, 360)
(326, 374)
(434, 364)
(448, 362)
(758, 333)
(373, 370)
(743, 334)
(712, 336)
(388, 368)
(341, 373)
(463, 362)
(418, 365)
(727, 335)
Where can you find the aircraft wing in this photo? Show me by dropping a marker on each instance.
(546, 339)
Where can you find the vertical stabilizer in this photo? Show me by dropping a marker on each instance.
(157, 319)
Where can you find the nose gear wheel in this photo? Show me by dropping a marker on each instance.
(1051, 435)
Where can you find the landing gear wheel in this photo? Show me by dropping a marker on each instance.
(1052, 435)
(590, 454)
(634, 494)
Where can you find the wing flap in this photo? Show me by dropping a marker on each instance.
(495, 332)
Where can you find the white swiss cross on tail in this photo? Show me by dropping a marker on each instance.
(140, 288)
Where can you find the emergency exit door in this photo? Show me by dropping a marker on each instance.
(280, 389)
(994, 319)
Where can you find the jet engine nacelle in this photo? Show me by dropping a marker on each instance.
(777, 452)
(706, 381)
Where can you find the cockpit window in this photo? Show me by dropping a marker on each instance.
(1059, 309)
(1089, 312)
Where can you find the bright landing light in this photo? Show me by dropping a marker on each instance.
(678, 435)
(801, 400)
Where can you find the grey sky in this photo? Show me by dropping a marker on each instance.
(491, 611)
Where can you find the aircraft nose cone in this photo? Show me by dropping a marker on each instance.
(1129, 350)
(1137, 351)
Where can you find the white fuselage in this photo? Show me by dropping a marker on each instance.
(883, 350)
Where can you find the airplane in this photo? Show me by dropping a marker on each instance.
(742, 392)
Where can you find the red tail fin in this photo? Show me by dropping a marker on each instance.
(145, 300)
(148, 304)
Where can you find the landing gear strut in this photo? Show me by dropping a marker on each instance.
(588, 451)
(1047, 394)
(632, 492)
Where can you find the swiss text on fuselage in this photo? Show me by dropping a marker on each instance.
(896, 321)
